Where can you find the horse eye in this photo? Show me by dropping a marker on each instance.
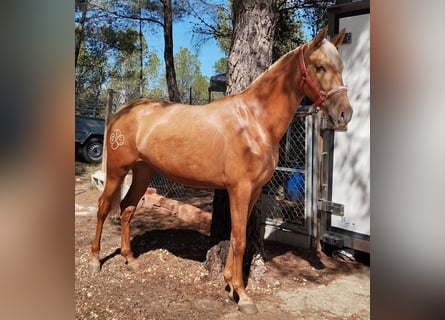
(320, 68)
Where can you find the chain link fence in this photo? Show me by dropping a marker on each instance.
(284, 197)
(201, 198)
(96, 106)
(85, 106)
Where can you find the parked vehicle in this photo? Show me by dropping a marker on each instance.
(89, 138)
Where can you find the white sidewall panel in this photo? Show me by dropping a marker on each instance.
(351, 175)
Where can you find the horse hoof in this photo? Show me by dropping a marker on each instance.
(133, 266)
(249, 308)
(94, 267)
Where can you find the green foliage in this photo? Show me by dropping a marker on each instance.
(200, 90)
(223, 37)
(188, 75)
(314, 13)
(155, 84)
(124, 76)
(153, 10)
(224, 26)
(90, 74)
(122, 40)
(104, 41)
(220, 66)
(153, 68)
(288, 32)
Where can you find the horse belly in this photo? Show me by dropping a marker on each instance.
(194, 160)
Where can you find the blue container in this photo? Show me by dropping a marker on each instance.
(294, 186)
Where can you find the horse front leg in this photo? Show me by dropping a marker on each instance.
(229, 260)
(240, 197)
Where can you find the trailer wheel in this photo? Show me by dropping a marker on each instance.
(92, 150)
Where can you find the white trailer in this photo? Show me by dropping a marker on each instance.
(346, 155)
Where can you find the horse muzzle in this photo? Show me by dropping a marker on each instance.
(341, 115)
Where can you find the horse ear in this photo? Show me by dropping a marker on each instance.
(316, 42)
(338, 39)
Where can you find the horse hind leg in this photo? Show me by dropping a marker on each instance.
(106, 201)
(142, 175)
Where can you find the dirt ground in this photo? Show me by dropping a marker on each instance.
(172, 282)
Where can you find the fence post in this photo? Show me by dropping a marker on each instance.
(319, 187)
(108, 112)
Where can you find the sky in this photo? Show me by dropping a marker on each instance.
(208, 53)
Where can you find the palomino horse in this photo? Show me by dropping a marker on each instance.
(230, 143)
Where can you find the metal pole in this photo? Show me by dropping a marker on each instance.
(108, 113)
(191, 95)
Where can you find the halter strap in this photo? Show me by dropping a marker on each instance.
(305, 78)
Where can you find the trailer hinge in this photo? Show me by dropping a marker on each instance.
(331, 207)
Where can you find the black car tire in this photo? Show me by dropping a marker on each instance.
(92, 150)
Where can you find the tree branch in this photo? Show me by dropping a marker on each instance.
(130, 17)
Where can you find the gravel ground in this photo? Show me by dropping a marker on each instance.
(172, 282)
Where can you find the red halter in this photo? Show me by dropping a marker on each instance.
(305, 78)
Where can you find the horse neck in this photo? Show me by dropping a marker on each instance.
(275, 95)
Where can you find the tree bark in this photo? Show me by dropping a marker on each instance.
(250, 55)
(173, 91)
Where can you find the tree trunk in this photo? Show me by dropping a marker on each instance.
(173, 91)
(250, 55)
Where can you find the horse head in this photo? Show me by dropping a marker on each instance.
(322, 79)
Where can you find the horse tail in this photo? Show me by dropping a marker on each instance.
(115, 209)
(114, 201)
